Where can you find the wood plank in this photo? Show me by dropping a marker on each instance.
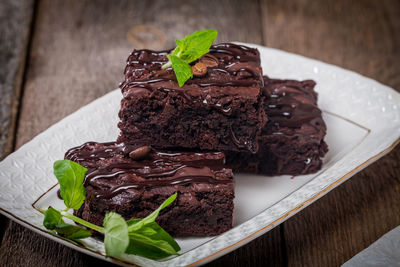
(78, 54)
(266, 250)
(360, 36)
(14, 36)
(79, 48)
(348, 219)
(15, 21)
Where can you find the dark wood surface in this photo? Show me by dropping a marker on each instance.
(74, 51)
(14, 36)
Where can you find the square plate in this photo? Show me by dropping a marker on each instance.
(363, 121)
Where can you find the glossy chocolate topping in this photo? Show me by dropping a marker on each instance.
(239, 66)
(110, 161)
(292, 104)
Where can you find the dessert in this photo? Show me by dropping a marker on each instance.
(185, 103)
(292, 140)
(134, 188)
(217, 110)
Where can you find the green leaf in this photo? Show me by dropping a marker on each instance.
(132, 221)
(190, 48)
(147, 231)
(70, 176)
(152, 217)
(51, 218)
(147, 247)
(160, 234)
(155, 231)
(181, 68)
(72, 231)
(116, 237)
(195, 45)
(53, 221)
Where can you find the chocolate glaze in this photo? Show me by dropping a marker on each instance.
(292, 104)
(234, 82)
(178, 180)
(237, 51)
(238, 54)
(292, 141)
(161, 168)
(252, 147)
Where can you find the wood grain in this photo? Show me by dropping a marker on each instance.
(360, 36)
(348, 219)
(14, 35)
(79, 48)
(78, 53)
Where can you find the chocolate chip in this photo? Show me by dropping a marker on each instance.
(209, 60)
(140, 152)
(199, 69)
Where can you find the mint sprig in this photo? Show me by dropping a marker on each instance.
(53, 221)
(116, 236)
(143, 237)
(189, 49)
(70, 176)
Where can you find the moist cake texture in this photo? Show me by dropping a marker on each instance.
(292, 140)
(219, 111)
(135, 188)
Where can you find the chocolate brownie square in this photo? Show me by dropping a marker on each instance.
(292, 142)
(219, 111)
(135, 188)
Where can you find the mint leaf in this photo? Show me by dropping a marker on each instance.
(72, 231)
(190, 48)
(70, 176)
(195, 45)
(53, 221)
(152, 217)
(181, 68)
(147, 247)
(160, 234)
(147, 231)
(136, 224)
(142, 237)
(116, 238)
(155, 231)
(52, 217)
(148, 239)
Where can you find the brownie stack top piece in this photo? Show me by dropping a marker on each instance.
(292, 140)
(220, 111)
(134, 188)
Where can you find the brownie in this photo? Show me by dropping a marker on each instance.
(220, 111)
(292, 141)
(135, 188)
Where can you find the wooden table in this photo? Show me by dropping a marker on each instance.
(57, 56)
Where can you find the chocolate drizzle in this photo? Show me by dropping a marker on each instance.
(237, 54)
(237, 66)
(161, 168)
(292, 104)
(237, 51)
(251, 146)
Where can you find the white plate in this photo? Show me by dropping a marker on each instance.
(363, 120)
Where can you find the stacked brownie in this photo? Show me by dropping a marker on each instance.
(292, 141)
(136, 187)
(261, 125)
(220, 111)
